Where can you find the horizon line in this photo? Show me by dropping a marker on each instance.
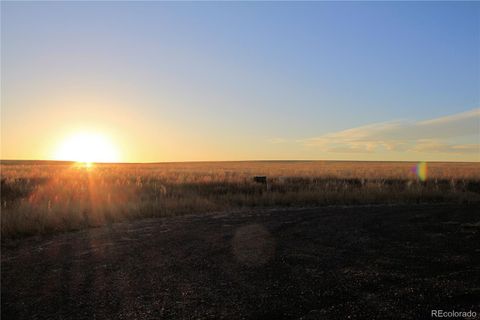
(213, 161)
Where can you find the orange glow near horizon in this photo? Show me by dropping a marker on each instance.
(87, 148)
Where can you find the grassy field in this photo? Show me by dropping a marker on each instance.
(45, 197)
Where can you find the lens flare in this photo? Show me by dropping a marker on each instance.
(421, 171)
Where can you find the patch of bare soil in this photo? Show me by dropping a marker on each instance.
(395, 262)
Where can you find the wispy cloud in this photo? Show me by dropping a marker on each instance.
(458, 133)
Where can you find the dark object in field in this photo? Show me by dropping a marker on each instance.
(260, 179)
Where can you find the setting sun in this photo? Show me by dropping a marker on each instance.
(87, 148)
(239, 159)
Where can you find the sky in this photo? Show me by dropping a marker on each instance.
(182, 81)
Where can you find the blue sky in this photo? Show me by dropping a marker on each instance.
(228, 81)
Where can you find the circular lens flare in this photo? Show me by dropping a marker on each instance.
(421, 171)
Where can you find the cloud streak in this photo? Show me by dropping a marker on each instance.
(456, 134)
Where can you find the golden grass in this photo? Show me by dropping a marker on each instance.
(43, 197)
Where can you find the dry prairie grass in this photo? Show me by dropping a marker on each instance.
(44, 197)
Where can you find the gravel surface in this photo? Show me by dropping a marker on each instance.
(359, 262)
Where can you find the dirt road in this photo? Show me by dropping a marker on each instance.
(326, 263)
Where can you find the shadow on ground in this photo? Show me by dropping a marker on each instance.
(327, 263)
